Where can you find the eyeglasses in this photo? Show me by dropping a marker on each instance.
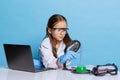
(64, 30)
(101, 70)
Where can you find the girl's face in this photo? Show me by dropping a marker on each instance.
(58, 31)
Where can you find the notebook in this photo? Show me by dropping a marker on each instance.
(19, 57)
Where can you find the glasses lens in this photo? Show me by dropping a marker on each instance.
(60, 29)
(109, 67)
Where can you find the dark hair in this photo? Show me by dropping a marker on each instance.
(53, 20)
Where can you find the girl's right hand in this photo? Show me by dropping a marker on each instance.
(69, 55)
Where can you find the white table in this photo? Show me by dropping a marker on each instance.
(8, 74)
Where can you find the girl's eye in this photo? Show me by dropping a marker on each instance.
(58, 29)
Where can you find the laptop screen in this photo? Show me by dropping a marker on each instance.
(19, 57)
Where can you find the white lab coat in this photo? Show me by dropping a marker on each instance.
(48, 59)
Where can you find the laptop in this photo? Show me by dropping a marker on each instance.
(19, 57)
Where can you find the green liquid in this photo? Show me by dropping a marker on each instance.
(81, 69)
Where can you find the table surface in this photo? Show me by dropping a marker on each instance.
(8, 74)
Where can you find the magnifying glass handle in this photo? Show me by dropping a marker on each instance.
(64, 66)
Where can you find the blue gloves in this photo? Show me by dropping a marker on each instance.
(69, 55)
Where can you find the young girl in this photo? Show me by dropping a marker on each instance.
(54, 43)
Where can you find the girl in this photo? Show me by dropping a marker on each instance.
(54, 43)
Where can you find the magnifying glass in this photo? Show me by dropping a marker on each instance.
(72, 46)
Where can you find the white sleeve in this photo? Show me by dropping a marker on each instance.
(49, 60)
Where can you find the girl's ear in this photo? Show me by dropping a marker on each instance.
(49, 30)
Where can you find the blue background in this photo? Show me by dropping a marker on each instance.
(96, 23)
